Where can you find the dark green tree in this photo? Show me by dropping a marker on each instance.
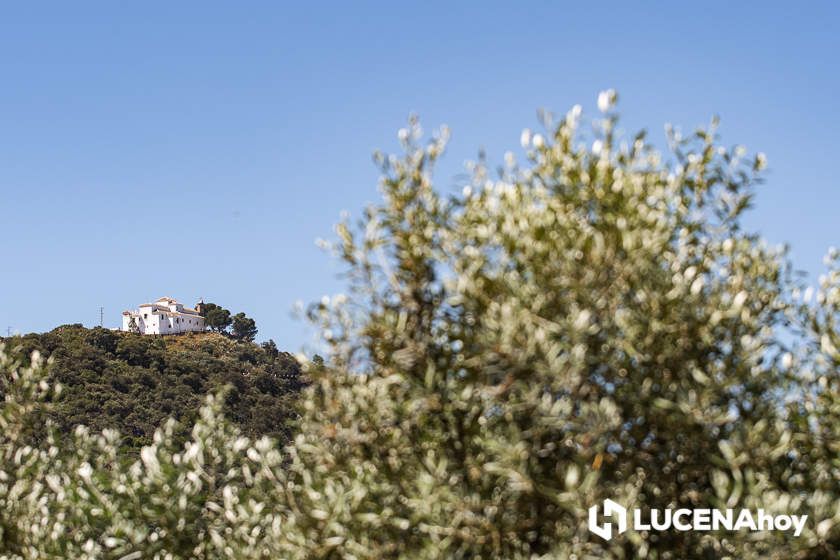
(270, 348)
(216, 317)
(244, 328)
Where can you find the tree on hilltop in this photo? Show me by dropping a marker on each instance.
(244, 328)
(216, 317)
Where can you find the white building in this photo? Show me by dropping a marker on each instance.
(165, 316)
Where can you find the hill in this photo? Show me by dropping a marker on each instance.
(133, 382)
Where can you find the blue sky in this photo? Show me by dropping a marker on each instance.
(199, 149)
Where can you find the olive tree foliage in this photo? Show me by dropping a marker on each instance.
(592, 323)
(595, 323)
(80, 496)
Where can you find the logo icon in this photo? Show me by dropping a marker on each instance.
(611, 509)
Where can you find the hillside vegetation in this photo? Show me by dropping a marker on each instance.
(133, 382)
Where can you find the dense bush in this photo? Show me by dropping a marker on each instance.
(593, 324)
(132, 383)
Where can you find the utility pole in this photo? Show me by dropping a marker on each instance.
(101, 315)
(8, 332)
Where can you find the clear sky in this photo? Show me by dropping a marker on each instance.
(198, 149)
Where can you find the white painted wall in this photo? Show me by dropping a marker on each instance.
(154, 319)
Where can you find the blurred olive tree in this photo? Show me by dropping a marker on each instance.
(592, 323)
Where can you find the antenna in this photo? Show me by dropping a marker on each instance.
(101, 315)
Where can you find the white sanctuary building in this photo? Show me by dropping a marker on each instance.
(165, 316)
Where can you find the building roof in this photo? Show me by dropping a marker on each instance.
(162, 305)
(165, 302)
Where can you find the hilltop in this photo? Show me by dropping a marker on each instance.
(132, 382)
